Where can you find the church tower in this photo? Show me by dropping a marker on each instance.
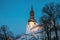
(31, 16)
(31, 22)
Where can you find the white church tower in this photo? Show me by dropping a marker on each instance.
(31, 23)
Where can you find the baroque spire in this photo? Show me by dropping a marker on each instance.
(31, 15)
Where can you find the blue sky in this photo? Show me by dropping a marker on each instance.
(15, 13)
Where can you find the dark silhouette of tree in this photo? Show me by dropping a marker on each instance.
(3, 29)
(5, 33)
(53, 11)
(45, 20)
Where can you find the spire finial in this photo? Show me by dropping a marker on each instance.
(31, 15)
(31, 7)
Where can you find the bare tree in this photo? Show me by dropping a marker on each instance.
(5, 33)
(52, 10)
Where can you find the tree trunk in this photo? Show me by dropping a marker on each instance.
(55, 30)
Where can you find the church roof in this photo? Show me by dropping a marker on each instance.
(31, 20)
